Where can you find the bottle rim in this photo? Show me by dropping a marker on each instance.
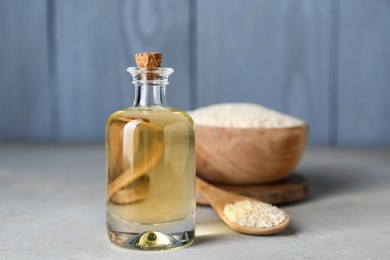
(150, 76)
(134, 71)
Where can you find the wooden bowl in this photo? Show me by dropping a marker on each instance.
(248, 155)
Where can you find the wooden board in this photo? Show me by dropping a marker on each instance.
(364, 73)
(292, 189)
(62, 63)
(25, 105)
(95, 43)
(274, 53)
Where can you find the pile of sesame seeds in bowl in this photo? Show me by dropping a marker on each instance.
(244, 144)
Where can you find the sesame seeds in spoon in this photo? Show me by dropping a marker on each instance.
(244, 214)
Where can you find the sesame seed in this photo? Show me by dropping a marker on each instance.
(254, 214)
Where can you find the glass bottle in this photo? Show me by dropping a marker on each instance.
(150, 168)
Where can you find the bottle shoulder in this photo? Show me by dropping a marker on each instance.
(154, 113)
(182, 113)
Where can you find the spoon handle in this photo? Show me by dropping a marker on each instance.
(214, 195)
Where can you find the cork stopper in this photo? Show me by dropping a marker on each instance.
(148, 59)
(149, 71)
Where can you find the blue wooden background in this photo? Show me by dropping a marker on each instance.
(62, 63)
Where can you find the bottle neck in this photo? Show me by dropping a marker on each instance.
(146, 96)
(150, 85)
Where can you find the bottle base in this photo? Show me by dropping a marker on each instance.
(164, 236)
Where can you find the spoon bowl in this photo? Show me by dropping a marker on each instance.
(218, 198)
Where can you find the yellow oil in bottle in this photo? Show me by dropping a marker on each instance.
(150, 168)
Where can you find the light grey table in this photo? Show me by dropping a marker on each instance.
(52, 207)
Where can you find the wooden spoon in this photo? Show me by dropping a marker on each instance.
(219, 198)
